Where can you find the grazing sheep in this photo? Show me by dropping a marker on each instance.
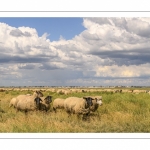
(66, 92)
(139, 91)
(79, 106)
(12, 102)
(130, 91)
(21, 97)
(96, 103)
(59, 91)
(58, 103)
(147, 91)
(27, 102)
(45, 104)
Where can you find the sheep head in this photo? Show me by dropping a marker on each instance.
(48, 99)
(37, 101)
(98, 100)
(88, 100)
(39, 94)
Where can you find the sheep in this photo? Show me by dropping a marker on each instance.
(12, 102)
(26, 102)
(139, 91)
(21, 97)
(45, 103)
(96, 103)
(130, 91)
(66, 92)
(59, 91)
(58, 103)
(79, 106)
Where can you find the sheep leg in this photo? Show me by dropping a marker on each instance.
(69, 113)
(17, 110)
(98, 115)
(86, 117)
(26, 112)
(78, 116)
(54, 109)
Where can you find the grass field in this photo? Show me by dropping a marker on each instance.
(120, 113)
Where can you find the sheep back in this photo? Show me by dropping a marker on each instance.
(26, 103)
(75, 105)
(58, 103)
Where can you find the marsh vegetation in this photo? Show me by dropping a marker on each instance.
(120, 113)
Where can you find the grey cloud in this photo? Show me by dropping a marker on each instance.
(119, 22)
(52, 74)
(20, 59)
(79, 63)
(27, 34)
(19, 33)
(124, 57)
(28, 66)
(138, 27)
(18, 49)
(41, 47)
(99, 20)
(89, 36)
(5, 50)
(49, 66)
(135, 25)
(16, 33)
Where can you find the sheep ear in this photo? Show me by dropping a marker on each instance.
(35, 99)
(88, 97)
(84, 97)
(95, 99)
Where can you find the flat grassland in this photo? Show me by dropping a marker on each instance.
(120, 113)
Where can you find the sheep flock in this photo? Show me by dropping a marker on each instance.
(80, 106)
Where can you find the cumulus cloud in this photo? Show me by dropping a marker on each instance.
(18, 33)
(123, 71)
(108, 48)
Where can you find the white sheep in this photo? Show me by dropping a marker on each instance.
(12, 102)
(58, 103)
(27, 102)
(79, 106)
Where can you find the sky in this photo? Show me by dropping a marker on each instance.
(89, 51)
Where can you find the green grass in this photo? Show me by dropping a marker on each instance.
(120, 113)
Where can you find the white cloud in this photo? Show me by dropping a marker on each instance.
(123, 71)
(107, 48)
